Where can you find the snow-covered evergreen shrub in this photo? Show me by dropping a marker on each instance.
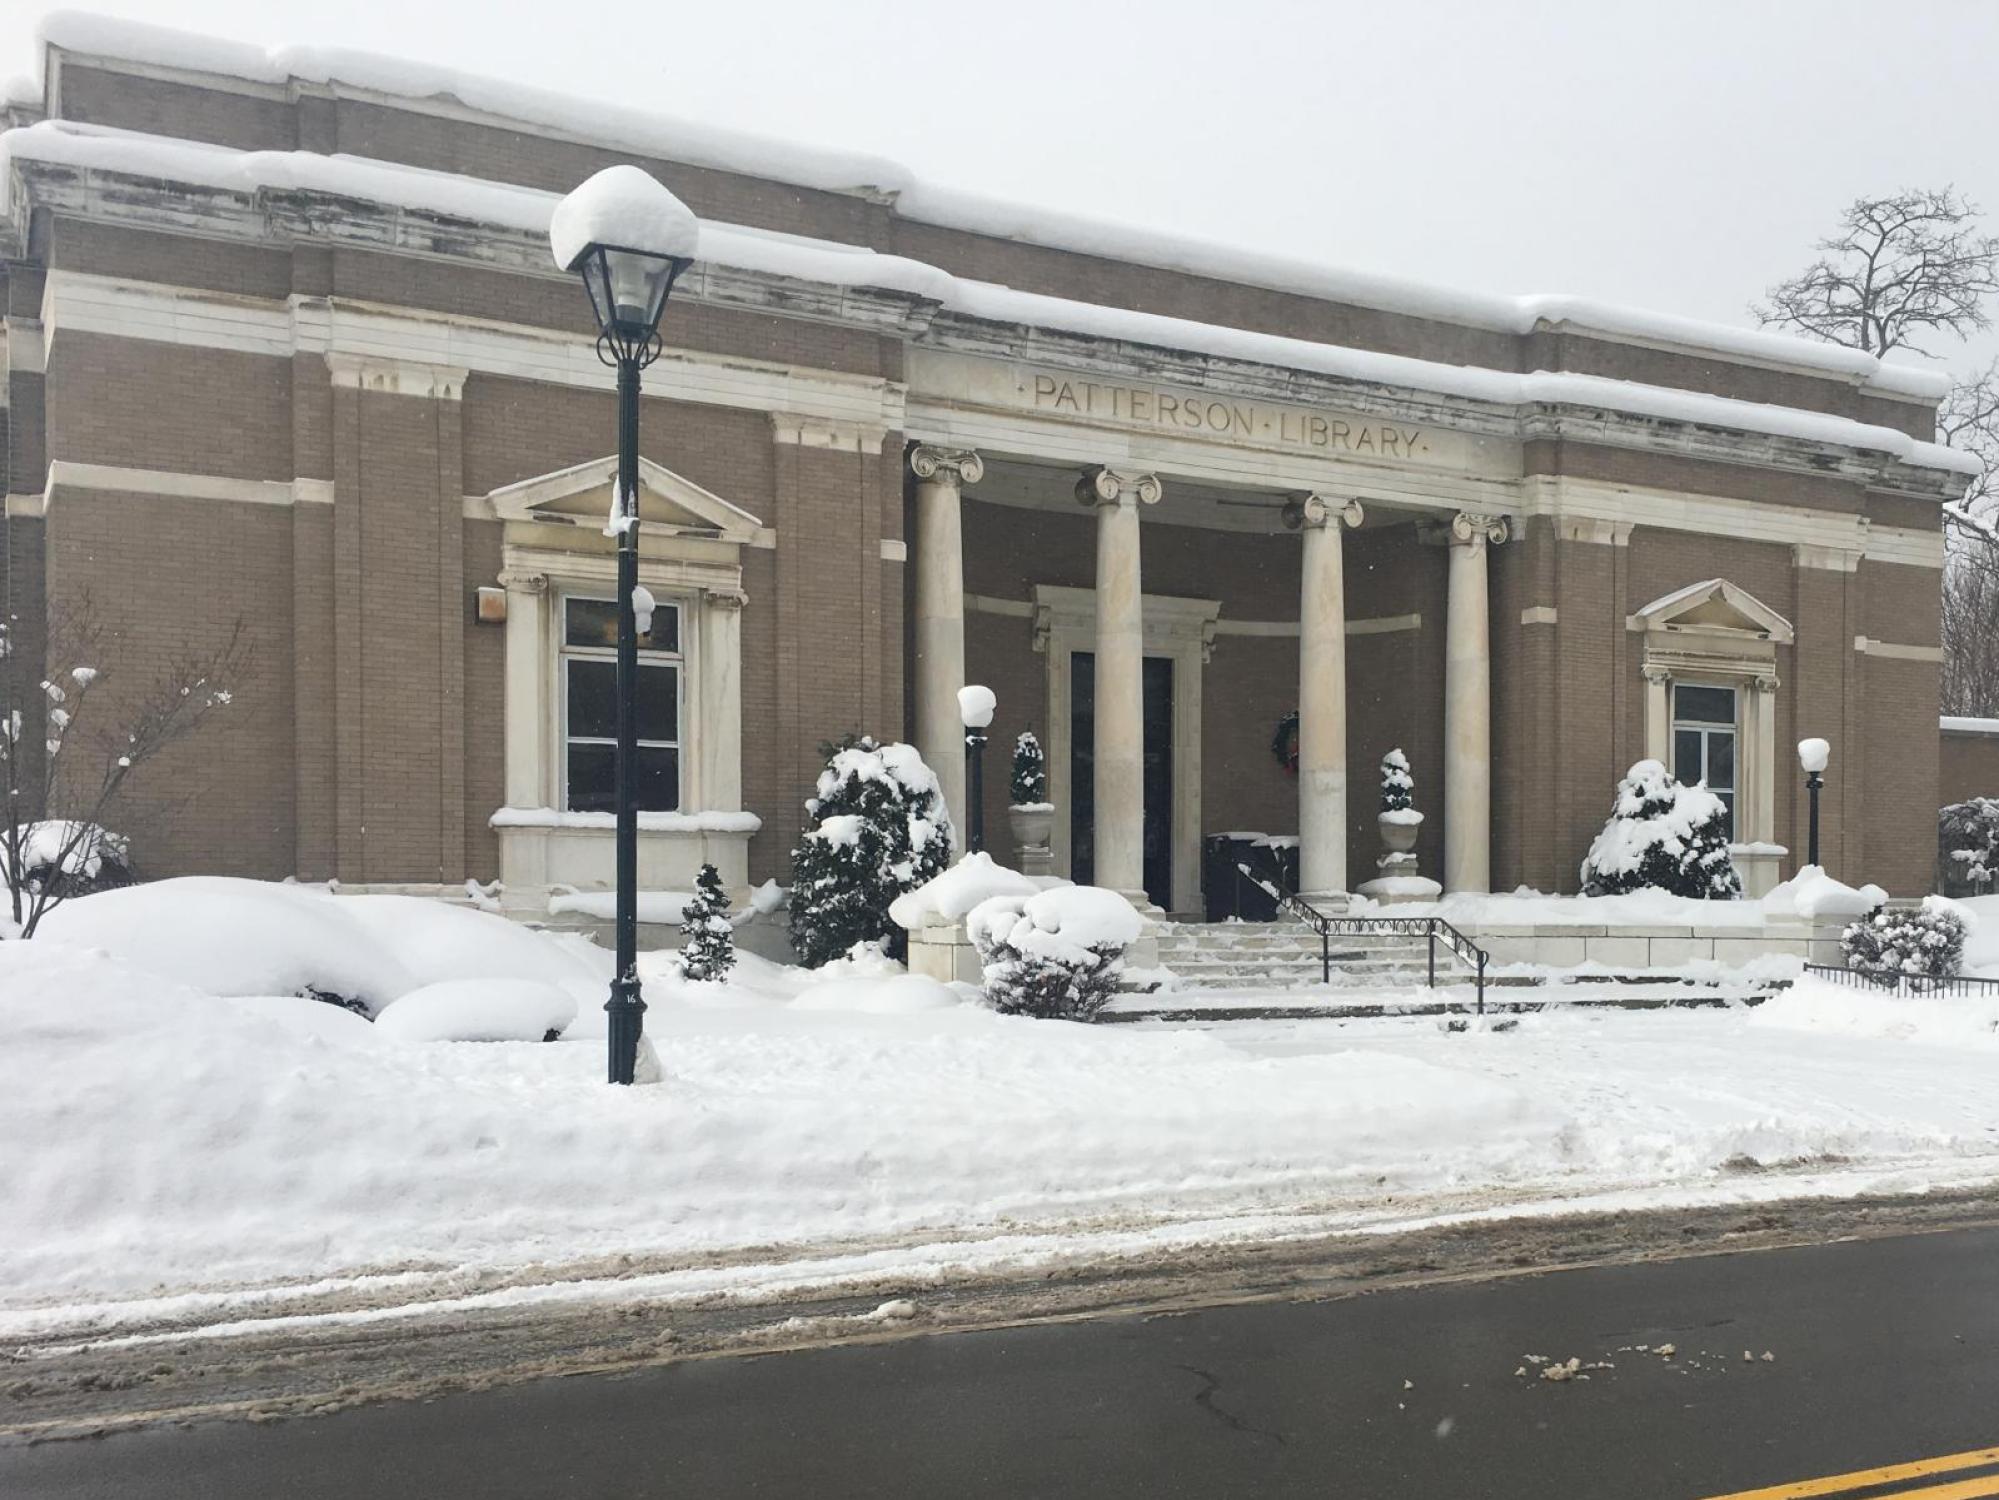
(1926, 940)
(1662, 836)
(879, 828)
(1057, 954)
(1030, 772)
(709, 951)
(66, 858)
(1968, 843)
(1398, 787)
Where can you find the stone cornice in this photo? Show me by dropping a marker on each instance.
(291, 216)
(962, 334)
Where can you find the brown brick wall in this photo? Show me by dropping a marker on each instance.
(1694, 476)
(1967, 766)
(104, 97)
(136, 254)
(485, 655)
(141, 405)
(166, 578)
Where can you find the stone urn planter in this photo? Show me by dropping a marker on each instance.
(1399, 829)
(1033, 825)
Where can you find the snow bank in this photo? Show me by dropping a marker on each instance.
(652, 134)
(896, 994)
(1816, 896)
(235, 937)
(225, 936)
(626, 207)
(1813, 1004)
(664, 908)
(478, 1010)
(954, 892)
(1526, 907)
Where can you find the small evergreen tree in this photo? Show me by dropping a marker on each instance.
(1030, 772)
(710, 950)
(879, 828)
(1398, 787)
(1662, 836)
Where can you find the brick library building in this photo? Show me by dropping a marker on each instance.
(285, 350)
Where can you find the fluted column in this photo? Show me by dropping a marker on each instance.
(1468, 705)
(1120, 678)
(1322, 697)
(941, 474)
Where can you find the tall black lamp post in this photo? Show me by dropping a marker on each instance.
(1813, 755)
(629, 239)
(975, 708)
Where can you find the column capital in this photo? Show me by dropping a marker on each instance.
(955, 465)
(1655, 672)
(1310, 512)
(1470, 527)
(1107, 486)
(522, 581)
(729, 599)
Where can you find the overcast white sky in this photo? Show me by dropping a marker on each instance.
(1677, 156)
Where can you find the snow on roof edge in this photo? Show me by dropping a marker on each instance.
(625, 127)
(1965, 725)
(530, 209)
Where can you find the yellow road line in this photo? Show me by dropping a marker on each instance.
(1860, 1479)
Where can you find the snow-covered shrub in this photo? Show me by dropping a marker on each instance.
(1030, 772)
(1968, 845)
(66, 858)
(710, 950)
(1926, 940)
(1662, 836)
(879, 828)
(1398, 787)
(1057, 954)
(479, 1010)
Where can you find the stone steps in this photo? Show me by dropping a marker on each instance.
(1286, 955)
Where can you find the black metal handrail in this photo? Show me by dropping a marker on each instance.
(1432, 929)
(1905, 984)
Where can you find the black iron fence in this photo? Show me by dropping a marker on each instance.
(1906, 985)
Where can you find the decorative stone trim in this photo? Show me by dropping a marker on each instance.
(1868, 646)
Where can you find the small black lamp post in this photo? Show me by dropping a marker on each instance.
(630, 240)
(1813, 755)
(975, 709)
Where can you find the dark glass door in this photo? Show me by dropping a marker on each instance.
(1158, 774)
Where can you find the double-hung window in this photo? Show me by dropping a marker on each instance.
(1704, 741)
(590, 706)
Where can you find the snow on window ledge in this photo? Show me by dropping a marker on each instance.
(649, 822)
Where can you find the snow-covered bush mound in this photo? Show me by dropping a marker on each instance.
(1814, 895)
(1058, 953)
(236, 937)
(1926, 941)
(479, 1010)
(226, 936)
(973, 879)
(69, 858)
(1665, 836)
(1398, 789)
(880, 828)
(1968, 844)
(894, 994)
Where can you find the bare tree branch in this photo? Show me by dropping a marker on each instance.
(1899, 268)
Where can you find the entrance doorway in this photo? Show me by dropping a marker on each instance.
(1158, 777)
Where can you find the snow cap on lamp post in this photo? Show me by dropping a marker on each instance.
(975, 706)
(1813, 755)
(630, 239)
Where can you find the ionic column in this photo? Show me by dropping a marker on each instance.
(940, 616)
(1120, 678)
(1322, 698)
(1468, 705)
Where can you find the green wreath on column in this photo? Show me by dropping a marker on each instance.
(1284, 743)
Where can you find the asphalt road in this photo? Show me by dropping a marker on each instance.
(1885, 1352)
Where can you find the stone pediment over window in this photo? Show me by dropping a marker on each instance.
(669, 503)
(1714, 608)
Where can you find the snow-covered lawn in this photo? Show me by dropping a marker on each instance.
(155, 1136)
